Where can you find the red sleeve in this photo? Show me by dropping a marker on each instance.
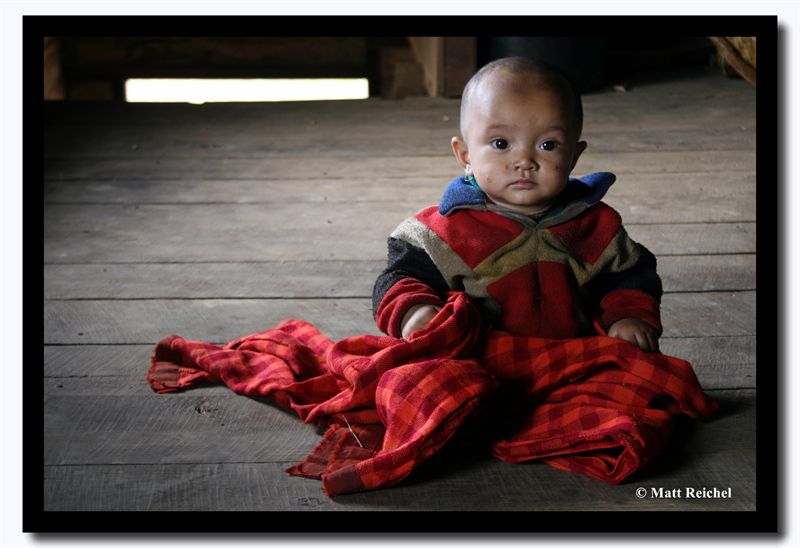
(398, 300)
(630, 303)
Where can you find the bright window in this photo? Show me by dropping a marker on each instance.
(224, 90)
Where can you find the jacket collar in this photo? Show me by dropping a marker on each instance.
(579, 194)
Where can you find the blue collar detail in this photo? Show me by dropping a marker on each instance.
(589, 189)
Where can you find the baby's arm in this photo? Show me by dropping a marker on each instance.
(409, 292)
(630, 302)
(624, 283)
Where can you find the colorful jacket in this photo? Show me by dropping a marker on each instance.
(556, 275)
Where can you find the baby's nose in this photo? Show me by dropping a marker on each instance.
(526, 163)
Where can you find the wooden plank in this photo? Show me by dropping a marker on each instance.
(264, 487)
(186, 434)
(719, 453)
(701, 189)
(327, 164)
(695, 238)
(722, 375)
(218, 232)
(145, 322)
(118, 361)
(600, 139)
(248, 232)
(214, 426)
(627, 113)
(263, 191)
(724, 351)
(709, 100)
(655, 209)
(708, 273)
(667, 161)
(709, 314)
(306, 279)
(272, 279)
(488, 485)
(720, 362)
(79, 240)
(221, 320)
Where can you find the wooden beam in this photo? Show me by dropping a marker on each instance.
(429, 50)
(53, 75)
(448, 62)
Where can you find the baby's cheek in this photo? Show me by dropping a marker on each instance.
(484, 179)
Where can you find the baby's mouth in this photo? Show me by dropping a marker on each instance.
(524, 184)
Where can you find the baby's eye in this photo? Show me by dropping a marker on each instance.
(549, 146)
(499, 144)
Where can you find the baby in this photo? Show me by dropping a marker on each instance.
(536, 250)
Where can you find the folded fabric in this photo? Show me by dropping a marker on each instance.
(596, 405)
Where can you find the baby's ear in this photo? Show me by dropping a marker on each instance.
(580, 146)
(460, 151)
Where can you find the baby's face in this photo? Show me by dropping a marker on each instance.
(518, 143)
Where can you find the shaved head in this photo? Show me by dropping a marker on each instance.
(531, 74)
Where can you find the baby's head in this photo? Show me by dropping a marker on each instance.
(521, 122)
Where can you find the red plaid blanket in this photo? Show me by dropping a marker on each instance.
(595, 405)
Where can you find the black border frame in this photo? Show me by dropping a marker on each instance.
(770, 430)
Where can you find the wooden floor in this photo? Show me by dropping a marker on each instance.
(216, 221)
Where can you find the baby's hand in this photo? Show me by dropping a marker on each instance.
(636, 331)
(417, 317)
